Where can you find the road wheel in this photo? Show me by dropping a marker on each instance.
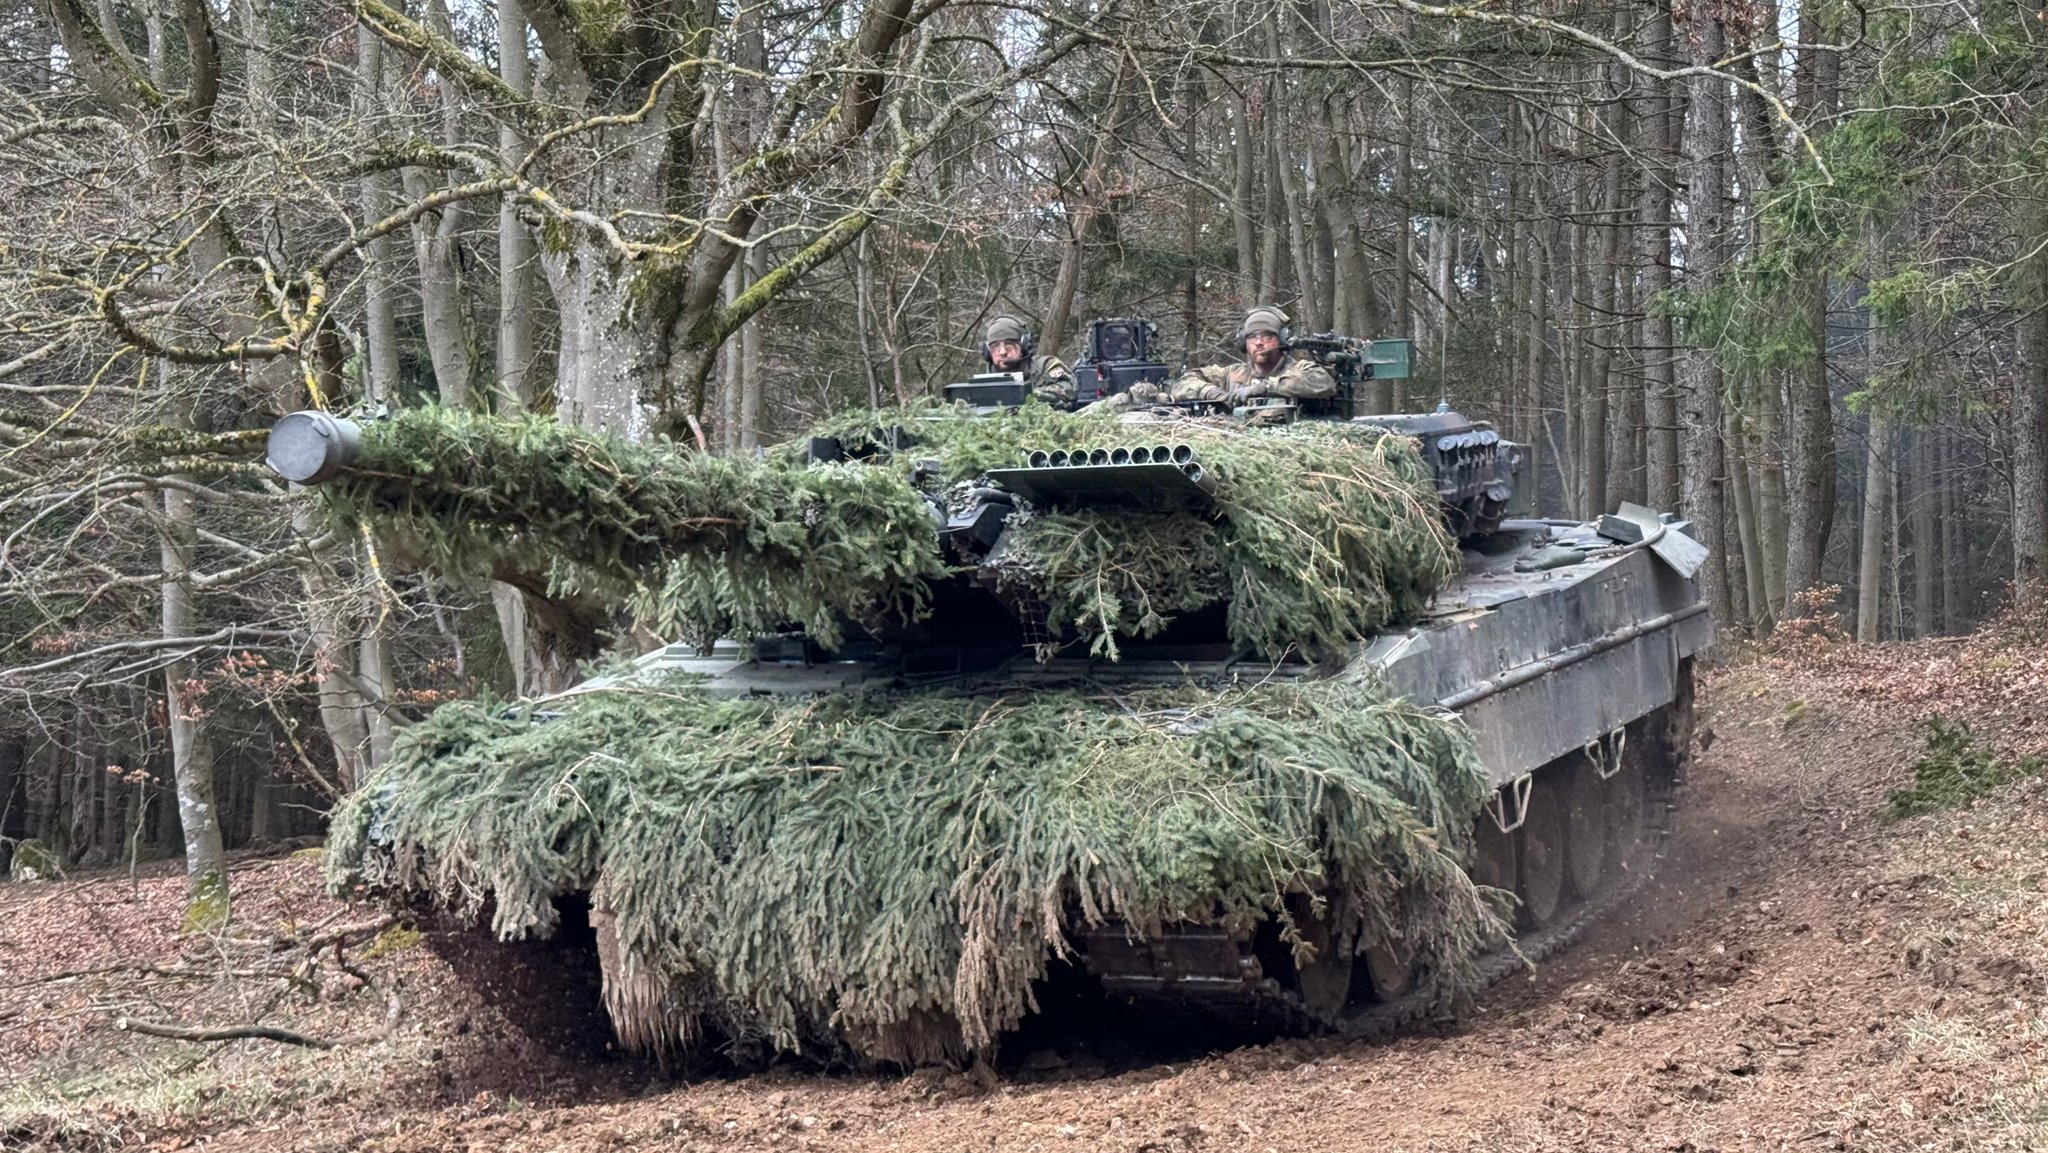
(1542, 838)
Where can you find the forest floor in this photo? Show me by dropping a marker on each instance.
(1802, 975)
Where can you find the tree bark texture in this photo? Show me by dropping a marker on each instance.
(206, 869)
(1877, 483)
(1699, 371)
(2030, 408)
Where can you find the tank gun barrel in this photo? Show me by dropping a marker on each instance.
(312, 447)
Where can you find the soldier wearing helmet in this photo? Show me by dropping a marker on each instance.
(1268, 368)
(1007, 346)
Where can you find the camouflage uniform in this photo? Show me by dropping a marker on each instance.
(1047, 376)
(1234, 382)
(1050, 380)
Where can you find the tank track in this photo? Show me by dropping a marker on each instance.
(1669, 733)
(1662, 742)
(1405, 1014)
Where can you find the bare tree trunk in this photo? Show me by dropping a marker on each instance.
(1323, 284)
(863, 297)
(331, 614)
(1533, 367)
(266, 826)
(1951, 556)
(2030, 409)
(14, 816)
(1361, 315)
(437, 240)
(1894, 554)
(1273, 235)
(377, 680)
(85, 781)
(379, 315)
(754, 375)
(1926, 539)
(612, 354)
(1661, 129)
(518, 282)
(1699, 369)
(1810, 499)
(1443, 247)
(1768, 474)
(516, 273)
(206, 869)
(1307, 318)
(1067, 281)
(1191, 218)
(1742, 474)
(1250, 276)
(113, 808)
(1877, 482)
(1729, 557)
(1600, 335)
(1577, 359)
(1404, 229)
(159, 55)
(753, 116)
(260, 59)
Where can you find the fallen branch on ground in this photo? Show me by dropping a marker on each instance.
(223, 1033)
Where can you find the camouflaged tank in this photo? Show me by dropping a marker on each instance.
(1568, 647)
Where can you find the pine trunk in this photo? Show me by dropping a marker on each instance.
(1810, 499)
(1877, 482)
(1926, 539)
(2030, 411)
(1749, 529)
(1954, 552)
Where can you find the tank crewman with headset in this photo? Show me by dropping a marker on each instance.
(1268, 368)
(1008, 346)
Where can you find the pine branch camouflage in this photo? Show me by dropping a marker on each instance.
(889, 872)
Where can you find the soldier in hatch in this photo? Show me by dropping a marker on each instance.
(1268, 369)
(1007, 346)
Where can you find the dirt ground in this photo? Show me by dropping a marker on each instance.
(1801, 976)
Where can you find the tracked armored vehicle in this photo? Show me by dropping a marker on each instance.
(1567, 647)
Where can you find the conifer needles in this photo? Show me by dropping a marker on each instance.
(893, 871)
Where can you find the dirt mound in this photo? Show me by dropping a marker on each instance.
(1801, 976)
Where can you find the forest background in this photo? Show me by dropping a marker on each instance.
(1784, 268)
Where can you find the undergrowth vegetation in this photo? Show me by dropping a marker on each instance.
(1956, 769)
